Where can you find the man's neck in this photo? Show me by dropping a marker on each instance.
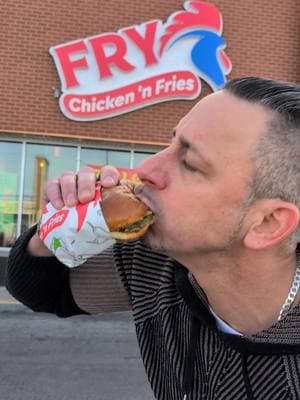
(247, 291)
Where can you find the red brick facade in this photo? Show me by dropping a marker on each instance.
(263, 38)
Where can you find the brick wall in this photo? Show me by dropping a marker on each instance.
(263, 38)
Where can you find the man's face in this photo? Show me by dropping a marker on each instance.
(199, 185)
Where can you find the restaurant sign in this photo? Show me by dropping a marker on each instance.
(113, 73)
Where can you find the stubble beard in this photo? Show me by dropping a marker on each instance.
(156, 241)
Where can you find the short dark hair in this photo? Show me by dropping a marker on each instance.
(276, 158)
(281, 97)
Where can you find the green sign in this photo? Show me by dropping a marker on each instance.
(8, 201)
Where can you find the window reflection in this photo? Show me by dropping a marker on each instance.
(105, 157)
(92, 156)
(10, 159)
(139, 157)
(118, 158)
(42, 162)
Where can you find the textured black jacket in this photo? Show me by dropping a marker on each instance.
(184, 354)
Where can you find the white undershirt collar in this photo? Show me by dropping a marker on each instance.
(223, 326)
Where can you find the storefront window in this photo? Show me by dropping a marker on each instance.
(42, 162)
(10, 163)
(105, 157)
(118, 158)
(92, 156)
(139, 157)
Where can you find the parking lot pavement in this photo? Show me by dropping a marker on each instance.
(5, 297)
(80, 358)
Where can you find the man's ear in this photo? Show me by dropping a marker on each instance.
(271, 222)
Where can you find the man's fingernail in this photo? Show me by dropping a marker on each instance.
(85, 194)
(109, 180)
(71, 199)
(58, 204)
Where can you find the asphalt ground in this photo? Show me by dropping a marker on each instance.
(43, 357)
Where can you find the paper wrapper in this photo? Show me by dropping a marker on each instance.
(75, 234)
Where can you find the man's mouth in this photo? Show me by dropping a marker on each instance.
(141, 192)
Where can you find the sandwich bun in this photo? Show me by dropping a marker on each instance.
(127, 217)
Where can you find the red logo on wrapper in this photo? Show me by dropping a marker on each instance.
(81, 209)
(53, 222)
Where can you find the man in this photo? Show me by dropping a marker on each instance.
(214, 284)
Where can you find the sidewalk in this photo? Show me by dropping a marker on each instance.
(6, 298)
(44, 357)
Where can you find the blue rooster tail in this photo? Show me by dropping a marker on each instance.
(205, 56)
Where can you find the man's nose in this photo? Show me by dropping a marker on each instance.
(154, 170)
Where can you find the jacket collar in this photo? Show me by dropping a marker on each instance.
(281, 338)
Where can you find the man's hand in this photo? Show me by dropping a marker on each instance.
(69, 189)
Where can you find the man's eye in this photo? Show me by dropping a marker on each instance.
(188, 166)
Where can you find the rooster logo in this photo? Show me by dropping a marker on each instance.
(202, 21)
(164, 61)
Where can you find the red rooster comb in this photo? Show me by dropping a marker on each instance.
(203, 14)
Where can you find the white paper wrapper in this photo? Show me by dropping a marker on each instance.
(75, 234)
